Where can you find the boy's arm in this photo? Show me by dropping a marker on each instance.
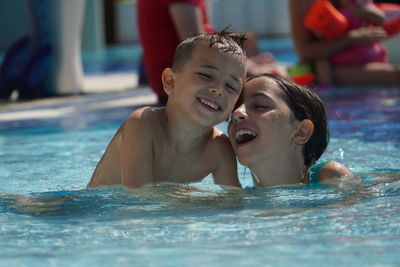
(137, 151)
(226, 171)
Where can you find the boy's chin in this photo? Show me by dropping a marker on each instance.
(210, 122)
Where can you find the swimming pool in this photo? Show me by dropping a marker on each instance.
(47, 217)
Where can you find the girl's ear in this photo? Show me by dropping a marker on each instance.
(304, 131)
(168, 78)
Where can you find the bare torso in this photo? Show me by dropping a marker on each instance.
(162, 158)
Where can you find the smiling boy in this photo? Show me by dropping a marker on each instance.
(179, 143)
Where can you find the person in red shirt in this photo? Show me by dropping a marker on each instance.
(163, 24)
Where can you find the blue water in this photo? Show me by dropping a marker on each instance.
(48, 218)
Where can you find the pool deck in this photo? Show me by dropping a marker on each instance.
(99, 91)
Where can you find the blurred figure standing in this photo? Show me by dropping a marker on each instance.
(47, 61)
(163, 24)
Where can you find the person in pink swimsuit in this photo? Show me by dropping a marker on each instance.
(357, 57)
(358, 53)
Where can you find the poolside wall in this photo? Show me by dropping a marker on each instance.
(265, 18)
(259, 16)
(14, 23)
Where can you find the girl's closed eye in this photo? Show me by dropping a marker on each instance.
(261, 106)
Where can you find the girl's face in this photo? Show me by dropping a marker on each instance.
(262, 127)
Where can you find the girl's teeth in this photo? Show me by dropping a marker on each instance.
(243, 132)
(244, 135)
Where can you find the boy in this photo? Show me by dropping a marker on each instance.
(179, 143)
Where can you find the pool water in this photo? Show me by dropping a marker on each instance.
(48, 218)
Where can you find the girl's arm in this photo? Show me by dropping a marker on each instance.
(369, 11)
(333, 169)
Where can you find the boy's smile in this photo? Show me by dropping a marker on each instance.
(209, 104)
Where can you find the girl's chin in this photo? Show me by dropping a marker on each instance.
(244, 152)
(245, 159)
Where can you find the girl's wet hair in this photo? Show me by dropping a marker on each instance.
(305, 104)
(227, 41)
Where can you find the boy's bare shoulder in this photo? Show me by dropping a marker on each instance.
(146, 114)
(220, 141)
(143, 119)
(222, 154)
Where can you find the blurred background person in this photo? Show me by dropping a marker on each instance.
(162, 25)
(355, 58)
(47, 61)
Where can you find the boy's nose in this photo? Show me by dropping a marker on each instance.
(216, 89)
(239, 113)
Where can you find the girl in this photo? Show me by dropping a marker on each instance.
(279, 130)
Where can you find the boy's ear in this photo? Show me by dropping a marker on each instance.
(305, 129)
(168, 79)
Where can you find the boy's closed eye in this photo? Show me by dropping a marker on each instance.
(232, 88)
(205, 75)
(229, 86)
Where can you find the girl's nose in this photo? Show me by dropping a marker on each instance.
(239, 113)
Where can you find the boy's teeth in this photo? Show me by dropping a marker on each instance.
(210, 104)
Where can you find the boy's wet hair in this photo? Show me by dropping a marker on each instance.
(305, 104)
(228, 41)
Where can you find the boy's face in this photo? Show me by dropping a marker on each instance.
(208, 85)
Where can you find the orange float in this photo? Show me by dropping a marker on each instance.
(325, 20)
